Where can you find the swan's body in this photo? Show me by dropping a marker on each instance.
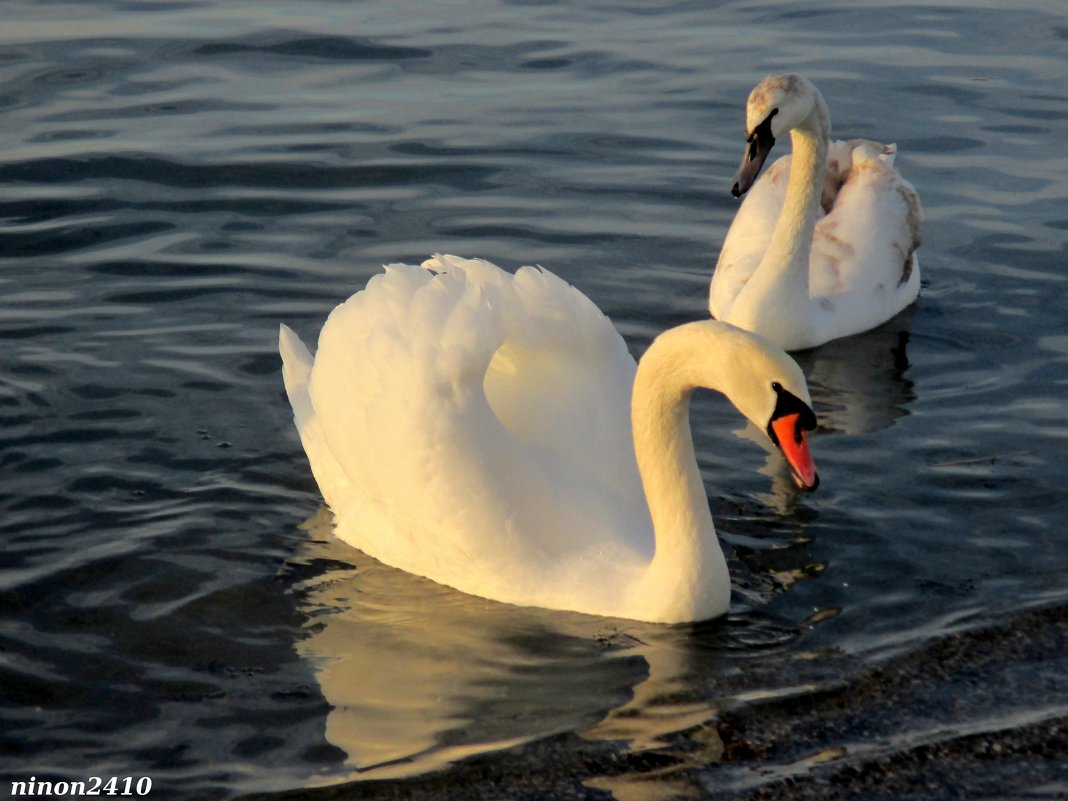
(824, 245)
(474, 427)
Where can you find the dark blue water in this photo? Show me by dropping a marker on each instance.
(178, 178)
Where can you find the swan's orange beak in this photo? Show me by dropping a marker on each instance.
(792, 441)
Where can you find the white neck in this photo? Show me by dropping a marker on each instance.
(687, 578)
(779, 287)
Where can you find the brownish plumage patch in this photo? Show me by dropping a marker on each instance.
(760, 97)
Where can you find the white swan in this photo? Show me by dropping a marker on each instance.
(824, 245)
(474, 427)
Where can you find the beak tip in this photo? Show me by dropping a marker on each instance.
(807, 484)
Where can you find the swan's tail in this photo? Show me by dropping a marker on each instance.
(866, 151)
(297, 365)
(296, 368)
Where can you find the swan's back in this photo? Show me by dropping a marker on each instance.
(445, 403)
(864, 249)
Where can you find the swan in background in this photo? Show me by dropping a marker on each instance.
(475, 427)
(824, 245)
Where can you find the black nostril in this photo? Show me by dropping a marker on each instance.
(736, 190)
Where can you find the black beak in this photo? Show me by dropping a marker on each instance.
(758, 146)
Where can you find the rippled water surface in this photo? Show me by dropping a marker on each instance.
(177, 178)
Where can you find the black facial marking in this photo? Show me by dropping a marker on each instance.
(758, 145)
(761, 137)
(788, 403)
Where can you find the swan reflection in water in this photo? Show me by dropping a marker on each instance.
(859, 384)
(419, 675)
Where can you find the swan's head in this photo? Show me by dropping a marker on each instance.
(778, 104)
(769, 388)
(756, 375)
(788, 425)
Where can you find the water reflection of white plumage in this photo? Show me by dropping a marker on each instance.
(419, 675)
(859, 384)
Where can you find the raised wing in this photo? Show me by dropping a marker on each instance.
(485, 411)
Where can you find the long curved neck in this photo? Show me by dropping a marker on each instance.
(688, 575)
(791, 243)
(780, 283)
